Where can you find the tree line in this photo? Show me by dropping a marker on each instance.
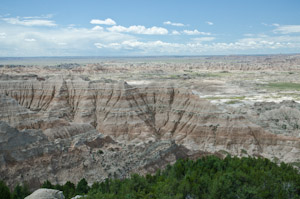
(208, 178)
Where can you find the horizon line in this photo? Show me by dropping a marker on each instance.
(149, 56)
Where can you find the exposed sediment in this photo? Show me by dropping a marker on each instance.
(64, 128)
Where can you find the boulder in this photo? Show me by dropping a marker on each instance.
(46, 194)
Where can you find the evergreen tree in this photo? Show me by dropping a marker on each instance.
(82, 187)
(208, 177)
(4, 191)
(47, 184)
(20, 192)
(69, 190)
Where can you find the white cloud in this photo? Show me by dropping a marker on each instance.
(99, 45)
(29, 22)
(195, 32)
(268, 42)
(144, 47)
(107, 21)
(196, 47)
(97, 28)
(282, 39)
(29, 39)
(139, 30)
(286, 29)
(270, 25)
(149, 44)
(203, 39)
(2, 35)
(210, 23)
(55, 42)
(47, 16)
(173, 24)
(66, 41)
(118, 29)
(114, 45)
(175, 32)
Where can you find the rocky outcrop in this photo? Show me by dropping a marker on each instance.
(279, 118)
(90, 155)
(66, 128)
(46, 194)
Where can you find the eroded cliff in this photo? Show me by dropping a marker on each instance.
(67, 127)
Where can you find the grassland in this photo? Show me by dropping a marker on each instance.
(283, 86)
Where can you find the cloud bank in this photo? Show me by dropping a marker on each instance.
(41, 36)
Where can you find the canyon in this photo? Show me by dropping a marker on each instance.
(63, 121)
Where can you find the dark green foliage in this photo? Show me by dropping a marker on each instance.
(4, 191)
(47, 184)
(20, 192)
(58, 187)
(82, 187)
(69, 190)
(100, 152)
(209, 177)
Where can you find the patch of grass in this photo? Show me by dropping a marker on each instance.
(290, 94)
(224, 97)
(238, 98)
(205, 74)
(284, 86)
(173, 77)
(233, 102)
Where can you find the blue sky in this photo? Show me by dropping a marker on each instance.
(146, 28)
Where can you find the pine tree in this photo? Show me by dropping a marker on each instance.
(47, 184)
(4, 191)
(82, 187)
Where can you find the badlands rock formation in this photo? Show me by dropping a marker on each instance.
(65, 127)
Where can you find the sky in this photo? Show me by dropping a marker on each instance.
(148, 28)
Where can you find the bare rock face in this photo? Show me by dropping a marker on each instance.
(46, 194)
(77, 197)
(89, 155)
(279, 118)
(66, 128)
